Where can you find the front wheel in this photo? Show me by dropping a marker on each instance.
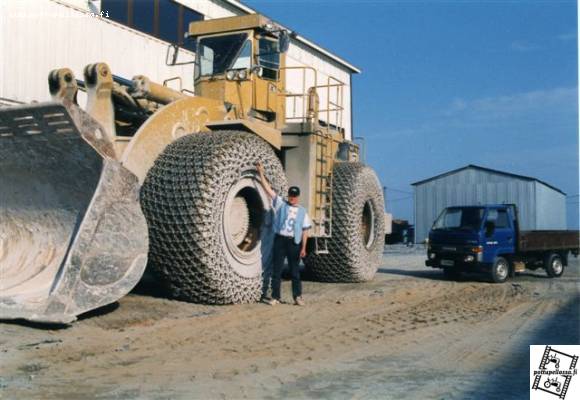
(554, 265)
(500, 270)
(209, 218)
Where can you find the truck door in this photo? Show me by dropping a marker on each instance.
(500, 240)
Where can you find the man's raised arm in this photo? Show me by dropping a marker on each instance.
(264, 181)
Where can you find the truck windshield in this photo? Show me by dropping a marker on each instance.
(459, 218)
(217, 53)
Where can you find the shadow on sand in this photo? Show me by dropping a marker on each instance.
(511, 378)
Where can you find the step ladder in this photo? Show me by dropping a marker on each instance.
(322, 217)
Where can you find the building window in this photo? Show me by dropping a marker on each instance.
(164, 19)
(144, 16)
(169, 21)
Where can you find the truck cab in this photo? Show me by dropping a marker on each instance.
(487, 238)
(472, 238)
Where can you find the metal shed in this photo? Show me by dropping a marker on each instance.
(541, 205)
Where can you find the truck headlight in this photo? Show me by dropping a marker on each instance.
(469, 258)
(432, 256)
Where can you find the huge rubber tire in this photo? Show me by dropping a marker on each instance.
(209, 218)
(554, 265)
(500, 270)
(358, 228)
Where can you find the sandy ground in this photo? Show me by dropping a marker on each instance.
(407, 334)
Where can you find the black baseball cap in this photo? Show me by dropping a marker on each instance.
(294, 191)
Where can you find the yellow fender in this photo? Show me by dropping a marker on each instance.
(185, 116)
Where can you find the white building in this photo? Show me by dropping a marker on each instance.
(132, 37)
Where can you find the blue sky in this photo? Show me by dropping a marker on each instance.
(451, 83)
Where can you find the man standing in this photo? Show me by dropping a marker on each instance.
(291, 225)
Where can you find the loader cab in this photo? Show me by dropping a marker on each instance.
(242, 67)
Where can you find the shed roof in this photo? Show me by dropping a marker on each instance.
(495, 171)
(244, 8)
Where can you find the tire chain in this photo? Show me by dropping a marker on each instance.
(183, 198)
(348, 259)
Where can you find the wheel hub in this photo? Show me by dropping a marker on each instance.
(502, 270)
(243, 218)
(367, 226)
(557, 266)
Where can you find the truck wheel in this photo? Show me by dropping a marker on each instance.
(554, 265)
(452, 274)
(500, 270)
(356, 246)
(209, 218)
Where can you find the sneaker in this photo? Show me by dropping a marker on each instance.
(273, 302)
(299, 301)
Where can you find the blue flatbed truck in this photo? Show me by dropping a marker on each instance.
(487, 239)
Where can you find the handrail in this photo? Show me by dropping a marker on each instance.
(334, 98)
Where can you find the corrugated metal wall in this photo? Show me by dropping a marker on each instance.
(40, 35)
(550, 208)
(540, 207)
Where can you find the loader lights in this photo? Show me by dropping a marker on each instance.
(237, 74)
(231, 75)
(477, 249)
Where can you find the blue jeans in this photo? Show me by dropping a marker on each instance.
(285, 248)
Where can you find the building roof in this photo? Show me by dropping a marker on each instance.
(495, 171)
(242, 7)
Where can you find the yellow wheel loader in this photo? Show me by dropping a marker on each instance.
(148, 175)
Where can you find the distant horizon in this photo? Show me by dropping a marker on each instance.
(445, 84)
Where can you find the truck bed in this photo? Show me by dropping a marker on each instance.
(548, 240)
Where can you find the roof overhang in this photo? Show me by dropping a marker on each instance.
(299, 38)
(494, 171)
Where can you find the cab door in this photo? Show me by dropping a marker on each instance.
(266, 83)
(500, 239)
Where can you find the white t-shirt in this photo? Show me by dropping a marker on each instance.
(288, 225)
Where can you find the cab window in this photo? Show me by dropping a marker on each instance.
(244, 59)
(217, 53)
(499, 218)
(269, 58)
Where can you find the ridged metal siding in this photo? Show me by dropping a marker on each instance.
(40, 35)
(551, 208)
(540, 207)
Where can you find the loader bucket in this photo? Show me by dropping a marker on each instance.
(72, 234)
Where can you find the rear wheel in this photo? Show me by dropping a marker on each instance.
(500, 270)
(356, 246)
(209, 218)
(554, 265)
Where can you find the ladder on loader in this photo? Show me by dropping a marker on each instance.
(322, 217)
